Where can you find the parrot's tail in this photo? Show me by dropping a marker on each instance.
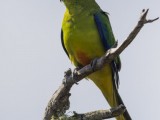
(125, 115)
(103, 80)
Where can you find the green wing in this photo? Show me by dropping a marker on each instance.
(108, 40)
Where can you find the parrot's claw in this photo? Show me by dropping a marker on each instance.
(93, 63)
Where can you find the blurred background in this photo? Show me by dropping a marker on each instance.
(32, 60)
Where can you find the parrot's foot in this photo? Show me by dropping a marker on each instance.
(93, 63)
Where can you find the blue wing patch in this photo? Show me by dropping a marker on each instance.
(102, 31)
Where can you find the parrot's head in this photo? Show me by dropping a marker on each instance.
(79, 5)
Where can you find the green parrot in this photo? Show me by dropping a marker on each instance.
(86, 35)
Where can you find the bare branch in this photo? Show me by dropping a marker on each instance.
(59, 102)
(95, 115)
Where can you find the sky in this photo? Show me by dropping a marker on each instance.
(32, 60)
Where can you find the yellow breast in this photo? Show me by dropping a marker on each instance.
(81, 39)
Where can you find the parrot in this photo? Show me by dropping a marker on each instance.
(86, 35)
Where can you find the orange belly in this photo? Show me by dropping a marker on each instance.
(82, 58)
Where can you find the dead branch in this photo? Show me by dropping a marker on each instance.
(59, 102)
(95, 115)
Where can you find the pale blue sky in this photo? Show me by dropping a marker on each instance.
(32, 61)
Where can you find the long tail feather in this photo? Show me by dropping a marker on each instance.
(104, 81)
